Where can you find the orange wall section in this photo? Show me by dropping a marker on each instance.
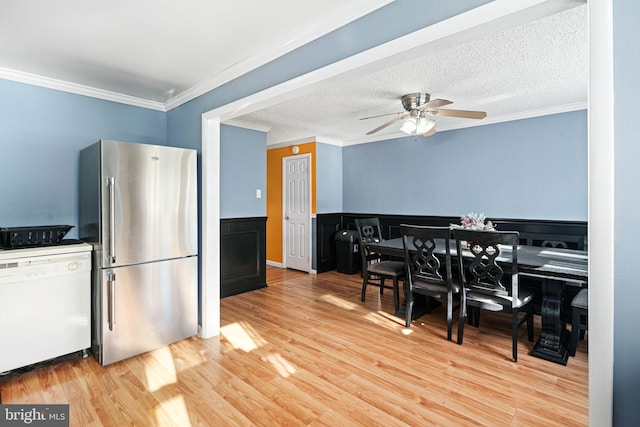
(274, 195)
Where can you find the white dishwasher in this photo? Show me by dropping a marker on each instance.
(45, 303)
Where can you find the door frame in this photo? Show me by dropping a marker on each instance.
(284, 208)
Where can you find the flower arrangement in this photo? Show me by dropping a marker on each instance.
(473, 221)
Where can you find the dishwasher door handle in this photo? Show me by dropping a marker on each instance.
(111, 285)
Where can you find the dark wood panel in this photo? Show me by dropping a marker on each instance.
(242, 255)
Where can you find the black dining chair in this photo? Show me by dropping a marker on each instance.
(482, 280)
(375, 269)
(427, 273)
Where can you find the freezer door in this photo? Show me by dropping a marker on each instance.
(149, 203)
(143, 307)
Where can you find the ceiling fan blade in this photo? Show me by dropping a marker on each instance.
(434, 103)
(465, 114)
(390, 122)
(380, 115)
(430, 132)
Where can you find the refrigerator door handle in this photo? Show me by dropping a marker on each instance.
(111, 283)
(111, 184)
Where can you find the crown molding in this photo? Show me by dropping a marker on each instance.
(317, 139)
(247, 125)
(558, 109)
(329, 141)
(290, 143)
(47, 82)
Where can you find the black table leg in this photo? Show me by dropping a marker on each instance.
(554, 339)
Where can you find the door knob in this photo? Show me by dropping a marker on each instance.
(287, 217)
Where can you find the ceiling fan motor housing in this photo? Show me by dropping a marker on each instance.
(414, 100)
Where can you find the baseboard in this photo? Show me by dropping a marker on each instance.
(275, 264)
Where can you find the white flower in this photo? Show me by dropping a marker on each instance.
(473, 221)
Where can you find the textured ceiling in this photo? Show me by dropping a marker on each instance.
(523, 71)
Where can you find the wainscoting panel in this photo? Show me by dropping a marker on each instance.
(570, 234)
(242, 255)
(326, 227)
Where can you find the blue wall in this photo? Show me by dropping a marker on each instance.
(329, 178)
(626, 340)
(243, 170)
(41, 134)
(533, 169)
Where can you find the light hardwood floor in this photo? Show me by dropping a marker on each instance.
(306, 351)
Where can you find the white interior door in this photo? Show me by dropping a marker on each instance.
(297, 212)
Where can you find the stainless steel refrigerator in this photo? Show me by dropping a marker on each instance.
(138, 208)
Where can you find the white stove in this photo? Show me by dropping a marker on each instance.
(45, 303)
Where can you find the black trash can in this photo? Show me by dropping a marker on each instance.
(347, 251)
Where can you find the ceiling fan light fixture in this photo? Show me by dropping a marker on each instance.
(418, 125)
(425, 124)
(410, 126)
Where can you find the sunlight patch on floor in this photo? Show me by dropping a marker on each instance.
(242, 336)
(385, 319)
(284, 368)
(176, 408)
(162, 372)
(338, 302)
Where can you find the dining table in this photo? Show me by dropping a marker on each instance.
(556, 268)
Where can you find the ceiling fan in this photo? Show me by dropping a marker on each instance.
(421, 114)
